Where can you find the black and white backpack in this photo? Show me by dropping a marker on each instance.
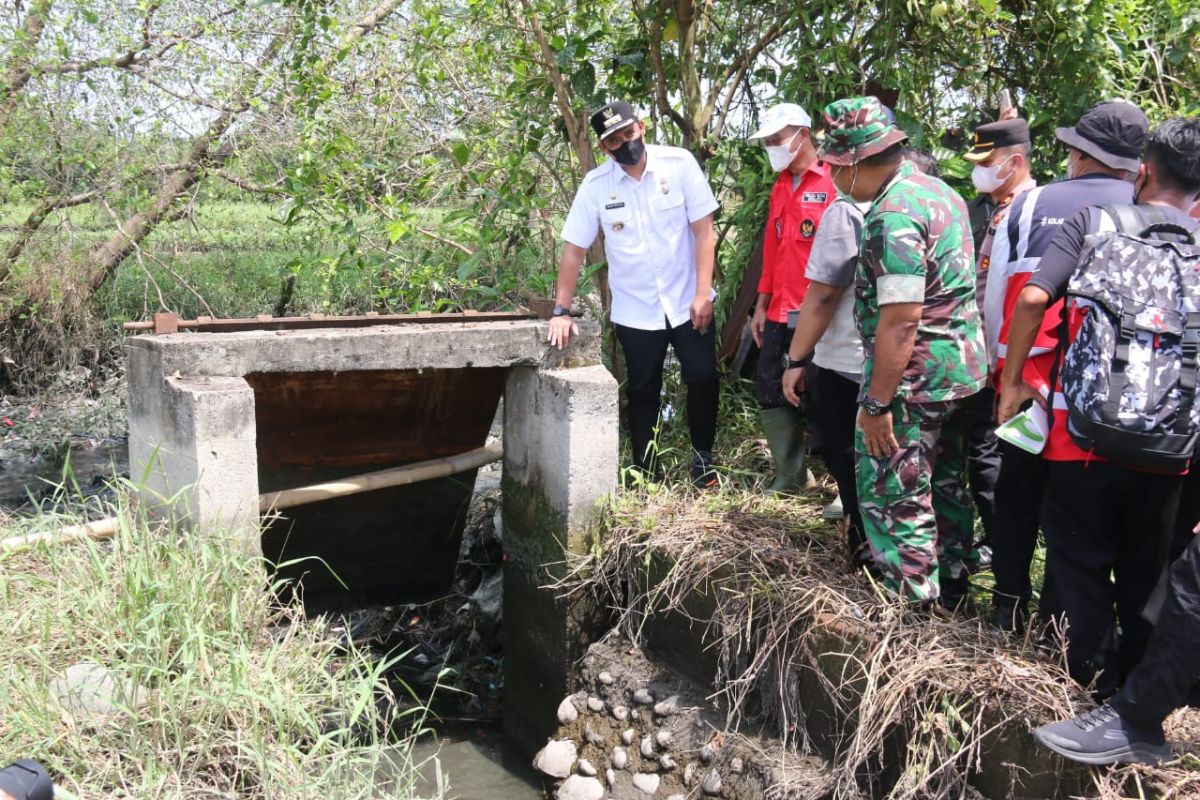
(1129, 377)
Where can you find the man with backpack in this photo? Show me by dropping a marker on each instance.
(1104, 148)
(1123, 421)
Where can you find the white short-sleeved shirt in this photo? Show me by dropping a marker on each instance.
(648, 240)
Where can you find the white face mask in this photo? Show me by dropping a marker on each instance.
(987, 179)
(781, 155)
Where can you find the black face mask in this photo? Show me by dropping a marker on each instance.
(630, 152)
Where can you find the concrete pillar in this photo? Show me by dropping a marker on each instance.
(192, 447)
(560, 460)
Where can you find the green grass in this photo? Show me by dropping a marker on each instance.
(243, 698)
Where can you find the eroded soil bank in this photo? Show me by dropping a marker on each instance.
(751, 599)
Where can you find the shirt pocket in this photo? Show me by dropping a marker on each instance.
(618, 223)
(775, 224)
(669, 209)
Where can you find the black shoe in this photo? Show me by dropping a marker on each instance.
(1102, 737)
(955, 596)
(1009, 617)
(703, 474)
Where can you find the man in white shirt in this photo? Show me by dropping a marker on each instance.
(655, 208)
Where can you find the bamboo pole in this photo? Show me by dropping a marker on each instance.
(383, 479)
(99, 529)
(289, 498)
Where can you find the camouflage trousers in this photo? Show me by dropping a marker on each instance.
(915, 505)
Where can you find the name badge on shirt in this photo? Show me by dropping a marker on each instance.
(611, 206)
(814, 197)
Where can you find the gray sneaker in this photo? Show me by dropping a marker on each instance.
(1102, 737)
(834, 511)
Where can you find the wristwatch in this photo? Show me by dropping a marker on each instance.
(561, 310)
(873, 407)
(795, 363)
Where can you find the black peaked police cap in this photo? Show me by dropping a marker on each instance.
(612, 118)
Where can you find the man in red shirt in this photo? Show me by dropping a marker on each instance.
(801, 194)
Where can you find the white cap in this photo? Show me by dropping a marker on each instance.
(779, 117)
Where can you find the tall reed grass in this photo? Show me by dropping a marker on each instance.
(240, 696)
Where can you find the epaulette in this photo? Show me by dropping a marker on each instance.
(597, 171)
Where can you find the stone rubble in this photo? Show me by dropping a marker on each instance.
(567, 712)
(578, 787)
(678, 746)
(556, 759)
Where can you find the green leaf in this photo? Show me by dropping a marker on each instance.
(468, 268)
(461, 154)
(583, 80)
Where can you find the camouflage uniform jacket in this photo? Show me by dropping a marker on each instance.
(917, 248)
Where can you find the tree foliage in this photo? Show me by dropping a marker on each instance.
(431, 148)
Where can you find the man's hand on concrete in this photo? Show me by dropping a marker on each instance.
(1010, 399)
(702, 313)
(561, 329)
(878, 436)
(793, 384)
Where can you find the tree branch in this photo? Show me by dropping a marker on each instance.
(18, 72)
(204, 154)
(663, 102)
(242, 183)
(48, 205)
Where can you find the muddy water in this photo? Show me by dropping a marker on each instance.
(476, 768)
(91, 462)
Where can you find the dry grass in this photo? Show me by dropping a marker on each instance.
(934, 691)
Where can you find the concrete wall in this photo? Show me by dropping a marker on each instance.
(560, 461)
(192, 446)
(192, 416)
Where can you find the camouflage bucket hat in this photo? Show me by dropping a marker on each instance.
(857, 128)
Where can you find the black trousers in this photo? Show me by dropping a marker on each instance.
(768, 376)
(645, 352)
(1171, 667)
(983, 457)
(1107, 532)
(836, 412)
(1019, 490)
(1189, 512)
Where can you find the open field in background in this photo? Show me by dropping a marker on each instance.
(232, 259)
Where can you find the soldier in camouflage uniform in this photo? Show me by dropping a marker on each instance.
(923, 338)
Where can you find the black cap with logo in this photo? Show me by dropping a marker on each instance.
(1113, 133)
(991, 135)
(612, 118)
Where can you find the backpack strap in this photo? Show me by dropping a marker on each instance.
(1147, 222)
(1187, 372)
(1127, 218)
